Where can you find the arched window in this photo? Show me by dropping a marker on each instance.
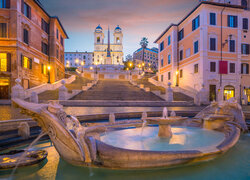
(117, 40)
(98, 39)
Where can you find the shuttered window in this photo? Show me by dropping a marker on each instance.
(3, 30)
(232, 21)
(245, 49)
(26, 10)
(181, 73)
(45, 26)
(169, 75)
(181, 55)
(196, 47)
(196, 23)
(169, 59)
(244, 68)
(212, 66)
(181, 34)
(162, 46)
(5, 4)
(212, 44)
(45, 48)
(232, 67)
(232, 45)
(169, 40)
(245, 23)
(26, 36)
(212, 19)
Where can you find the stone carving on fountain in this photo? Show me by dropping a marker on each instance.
(81, 146)
(218, 113)
(65, 132)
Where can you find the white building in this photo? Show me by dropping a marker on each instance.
(78, 59)
(108, 53)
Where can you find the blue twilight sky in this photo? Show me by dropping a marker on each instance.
(137, 18)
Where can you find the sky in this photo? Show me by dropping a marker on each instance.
(137, 18)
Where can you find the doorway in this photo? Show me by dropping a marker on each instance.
(4, 88)
(212, 92)
(229, 92)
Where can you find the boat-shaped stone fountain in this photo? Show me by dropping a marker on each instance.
(89, 146)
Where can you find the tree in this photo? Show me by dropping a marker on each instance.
(144, 44)
(129, 57)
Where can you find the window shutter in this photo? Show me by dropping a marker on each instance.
(193, 24)
(22, 6)
(247, 65)
(21, 60)
(42, 68)
(241, 68)
(30, 63)
(235, 21)
(198, 21)
(247, 48)
(9, 62)
(29, 10)
(228, 20)
(8, 4)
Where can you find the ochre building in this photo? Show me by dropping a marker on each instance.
(31, 45)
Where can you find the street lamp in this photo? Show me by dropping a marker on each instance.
(139, 69)
(82, 63)
(49, 74)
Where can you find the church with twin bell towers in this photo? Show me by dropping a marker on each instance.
(108, 53)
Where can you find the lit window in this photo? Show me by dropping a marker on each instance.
(44, 69)
(3, 58)
(25, 62)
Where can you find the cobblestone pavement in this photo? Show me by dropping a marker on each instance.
(9, 112)
(116, 90)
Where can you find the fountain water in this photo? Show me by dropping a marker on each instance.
(165, 113)
(144, 115)
(173, 114)
(112, 118)
(25, 152)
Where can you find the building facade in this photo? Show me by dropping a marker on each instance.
(78, 59)
(210, 47)
(31, 45)
(150, 58)
(101, 48)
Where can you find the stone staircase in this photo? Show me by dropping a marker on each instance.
(179, 93)
(116, 90)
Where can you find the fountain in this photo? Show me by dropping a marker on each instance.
(81, 146)
(165, 122)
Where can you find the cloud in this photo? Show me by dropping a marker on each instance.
(137, 18)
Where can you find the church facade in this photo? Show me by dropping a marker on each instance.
(108, 53)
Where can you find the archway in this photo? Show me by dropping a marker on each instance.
(229, 92)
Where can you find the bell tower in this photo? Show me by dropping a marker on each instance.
(118, 35)
(99, 35)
